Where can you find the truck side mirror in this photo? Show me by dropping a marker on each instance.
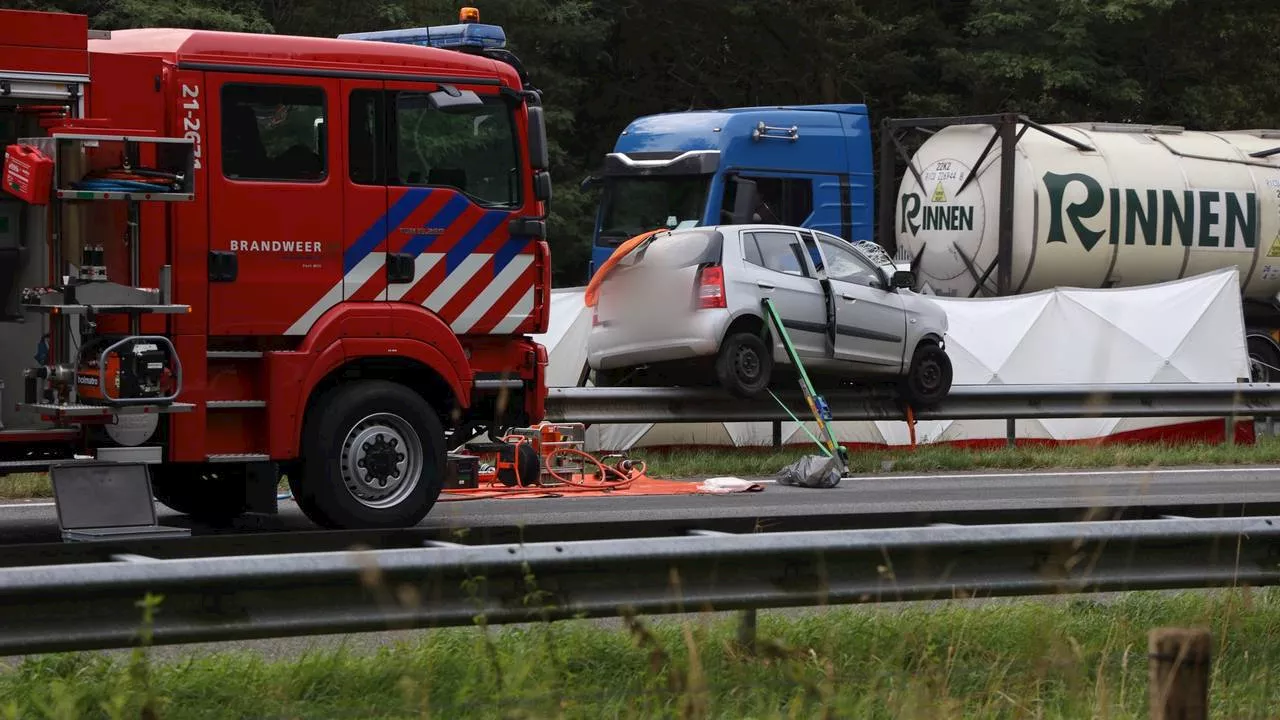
(745, 200)
(903, 279)
(542, 186)
(539, 156)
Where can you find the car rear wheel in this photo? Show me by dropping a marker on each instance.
(744, 365)
(928, 378)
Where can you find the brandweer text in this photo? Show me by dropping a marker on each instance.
(276, 246)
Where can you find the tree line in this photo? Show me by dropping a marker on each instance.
(600, 63)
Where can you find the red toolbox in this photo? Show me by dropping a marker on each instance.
(28, 173)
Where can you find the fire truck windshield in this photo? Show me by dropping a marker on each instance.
(632, 205)
(473, 149)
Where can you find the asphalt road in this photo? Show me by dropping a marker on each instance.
(22, 522)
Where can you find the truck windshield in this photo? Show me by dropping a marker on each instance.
(632, 205)
(474, 152)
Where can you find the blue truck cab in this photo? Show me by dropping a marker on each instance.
(804, 165)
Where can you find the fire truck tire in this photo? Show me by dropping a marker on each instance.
(373, 456)
(212, 494)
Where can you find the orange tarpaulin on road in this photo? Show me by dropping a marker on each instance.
(637, 487)
(627, 477)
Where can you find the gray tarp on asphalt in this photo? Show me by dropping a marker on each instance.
(813, 471)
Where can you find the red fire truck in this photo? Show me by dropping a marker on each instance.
(234, 256)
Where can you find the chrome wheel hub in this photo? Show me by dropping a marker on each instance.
(381, 460)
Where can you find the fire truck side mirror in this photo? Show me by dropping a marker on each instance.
(542, 186)
(539, 156)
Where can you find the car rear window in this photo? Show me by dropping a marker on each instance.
(677, 250)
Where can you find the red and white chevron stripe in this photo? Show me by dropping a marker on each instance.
(471, 299)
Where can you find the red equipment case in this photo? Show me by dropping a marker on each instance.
(28, 173)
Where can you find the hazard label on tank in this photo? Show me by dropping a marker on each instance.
(1275, 247)
(939, 195)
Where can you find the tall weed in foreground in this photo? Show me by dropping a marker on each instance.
(1076, 657)
(70, 686)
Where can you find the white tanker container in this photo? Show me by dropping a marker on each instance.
(1148, 204)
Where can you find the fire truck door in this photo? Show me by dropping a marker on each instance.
(453, 182)
(368, 272)
(276, 208)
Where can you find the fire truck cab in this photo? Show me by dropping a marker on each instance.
(233, 256)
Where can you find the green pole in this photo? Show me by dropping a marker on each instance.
(833, 448)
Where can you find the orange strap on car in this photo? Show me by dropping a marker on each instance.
(593, 287)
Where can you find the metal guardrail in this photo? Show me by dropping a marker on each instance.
(965, 402)
(89, 606)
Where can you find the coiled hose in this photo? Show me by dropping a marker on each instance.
(117, 185)
(624, 473)
(627, 470)
(130, 179)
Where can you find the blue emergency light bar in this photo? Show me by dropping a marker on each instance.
(446, 37)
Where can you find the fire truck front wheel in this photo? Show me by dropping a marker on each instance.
(373, 455)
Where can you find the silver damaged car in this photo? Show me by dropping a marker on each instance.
(685, 308)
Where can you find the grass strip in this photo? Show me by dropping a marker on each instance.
(25, 486)
(933, 458)
(36, 486)
(752, 461)
(1057, 658)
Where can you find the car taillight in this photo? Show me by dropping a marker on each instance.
(711, 287)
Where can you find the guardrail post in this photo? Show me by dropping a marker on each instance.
(777, 433)
(1011, 432)
(1178, 678)
(747, 630)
